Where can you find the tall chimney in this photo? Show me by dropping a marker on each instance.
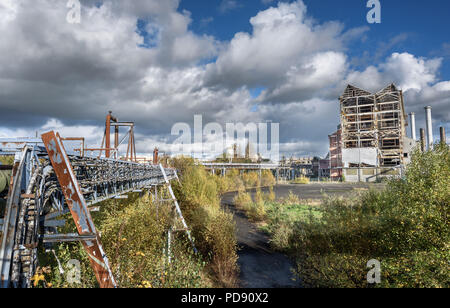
(429, 127)
(413, 126)
(443, 137)
(155, 156)
(423, 145)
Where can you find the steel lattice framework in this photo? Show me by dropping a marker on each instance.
(47, 183)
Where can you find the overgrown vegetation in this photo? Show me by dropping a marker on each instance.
(301, 180)
(405, 227)
(7, 160)
(213, 228)
(234, 181)
(134, 238)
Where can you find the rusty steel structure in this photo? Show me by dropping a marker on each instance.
(375, 121)
(374, 138)
(47, 182)
(113, 152)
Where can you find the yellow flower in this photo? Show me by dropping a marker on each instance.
(37, 278)
(146, 284)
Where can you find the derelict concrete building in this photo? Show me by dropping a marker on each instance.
(373, 131)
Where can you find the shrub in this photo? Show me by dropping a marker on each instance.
(134, 239)
(270, 196)
(291, 199)
(256, 211)
(301, 180)
(267, 178)
(134, 236)
(405, 227)
(243, 200)
(251, 179)
(213, 229)
(6, 160)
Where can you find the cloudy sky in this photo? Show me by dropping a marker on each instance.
(161, 62)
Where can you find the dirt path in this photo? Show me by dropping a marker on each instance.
(260, 266)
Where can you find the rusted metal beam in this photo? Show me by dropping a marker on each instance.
(10, 221)
(78, 208)
(83, 140)
(108, 135)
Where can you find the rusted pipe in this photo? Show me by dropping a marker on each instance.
(422, 140)
(443, 136)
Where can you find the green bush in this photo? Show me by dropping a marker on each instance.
(282, 218)
(270, 196)
(301, 180)
(212, 227)
(405, 227)
(134, 238)
(243, 200)
(251, 179)
(267, 179)
(256, 211)
(6, 160)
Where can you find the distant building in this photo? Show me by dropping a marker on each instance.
(373, 135)
(325, 167)
(336, 155)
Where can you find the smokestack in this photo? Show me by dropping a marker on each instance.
(429, 127)
(155, 156)
(423, 145)
(443, 138)
(413, 126)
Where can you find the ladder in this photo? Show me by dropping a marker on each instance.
(185, 227)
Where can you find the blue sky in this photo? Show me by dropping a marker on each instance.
(160, 62)
(414, 26)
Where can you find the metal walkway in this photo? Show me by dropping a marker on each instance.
(47, 183)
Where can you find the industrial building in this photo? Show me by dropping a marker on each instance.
(336, 155)
(371, 142)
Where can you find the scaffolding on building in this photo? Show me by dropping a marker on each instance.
(373, 123)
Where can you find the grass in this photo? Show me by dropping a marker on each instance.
(405, 227)
(6, 160)
(134, 236)
(212, 227)
(301, 180)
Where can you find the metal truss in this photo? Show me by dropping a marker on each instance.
(48, 183)
(220, 166)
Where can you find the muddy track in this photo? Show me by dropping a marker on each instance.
(260, 266)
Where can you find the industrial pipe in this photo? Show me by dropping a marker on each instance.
(430, 138)
(443, 137)
(423, 145)
(413, 126)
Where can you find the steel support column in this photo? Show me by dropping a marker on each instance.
(78, 208)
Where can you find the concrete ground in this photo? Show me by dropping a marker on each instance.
(317, 191)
